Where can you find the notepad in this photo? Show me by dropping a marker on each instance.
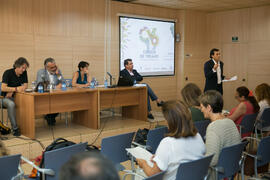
(141, 153)
(234, 78)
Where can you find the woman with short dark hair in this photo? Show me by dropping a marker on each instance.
(221, 132)
(182, 144)
(81, 78)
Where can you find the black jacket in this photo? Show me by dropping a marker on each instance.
(210, 76)
(124, 74)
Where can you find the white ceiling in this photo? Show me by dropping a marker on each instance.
(204, 5)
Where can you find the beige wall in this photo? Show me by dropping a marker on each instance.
(71, 31)
(249, 58)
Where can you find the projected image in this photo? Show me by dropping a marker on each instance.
(149, 43)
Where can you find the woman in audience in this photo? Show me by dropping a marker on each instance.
(81, 78)
(191, 93)
(182, 144)
(221, 132)
(247, 105)
(262, 93)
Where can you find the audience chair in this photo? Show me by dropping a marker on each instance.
(263, 154)
(154, 136)
(197, 169)
(53, 160)
(247, 124)
(229, 161)
(9, 166)
(264, 121)
(201, 127)
(114, 148)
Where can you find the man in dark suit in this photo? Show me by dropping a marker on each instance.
(131, 76)
(213, 71)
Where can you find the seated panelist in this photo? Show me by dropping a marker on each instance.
(132, 76)
(51, 74)
(81, 77)
(14, 80)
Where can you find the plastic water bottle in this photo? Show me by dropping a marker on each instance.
(40, 89)
(92, 84)
(134, 82)
(105, 83)
(64, 86)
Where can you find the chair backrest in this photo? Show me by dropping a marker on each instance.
(264, 151)
(154, 137)
(114, 147)
(229, 159)
(56, 158)
(202, 126)
(247, 123)
(9, 166)
(197, 169)
(265, 118)
(158, 176)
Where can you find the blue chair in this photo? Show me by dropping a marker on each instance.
(197, 169)
(56, 158)
(53, 160)
(264, 121)
(263, 156)
(9, 167)
(247, 124)
(202, 126)
(154, 137)
(114, 148)
(229, 161)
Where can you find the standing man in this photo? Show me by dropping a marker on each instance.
(213, 71)
(14, 80)
(132, 76)
(50, 73)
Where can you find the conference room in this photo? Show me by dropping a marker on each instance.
(168, 43)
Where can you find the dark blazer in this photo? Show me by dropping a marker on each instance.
(130, 79)
(211, 77)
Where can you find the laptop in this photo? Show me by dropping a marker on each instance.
(124, 82)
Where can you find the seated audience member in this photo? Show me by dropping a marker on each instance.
(88, 166)
(81, 78)
(52, 74)
(262, 93)
(14, 80)
(247, 105)
(221, 132)
(190, 94)
(131, 75)
(182, 144)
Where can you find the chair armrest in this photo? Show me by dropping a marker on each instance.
(42, 170)
(251, 138)
(218, 169)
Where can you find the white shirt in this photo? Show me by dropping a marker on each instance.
(218, 72)
(51, 77)
(130, 72)
(171, 152)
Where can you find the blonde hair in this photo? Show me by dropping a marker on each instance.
(262, 92)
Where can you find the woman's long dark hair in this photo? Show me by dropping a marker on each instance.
(243, 91)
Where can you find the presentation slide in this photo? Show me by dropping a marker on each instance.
(150, 45)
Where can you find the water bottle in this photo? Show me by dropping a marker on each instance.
(105, 83)
(64, 86)
(134, 82)
(40, 88)
(92, 83)
(33, 85)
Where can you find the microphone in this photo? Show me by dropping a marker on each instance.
(110, 78)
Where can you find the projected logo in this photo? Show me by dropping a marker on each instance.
(150, 39)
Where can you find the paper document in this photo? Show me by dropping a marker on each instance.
(234, 78)
(139, 85)
(140, 153)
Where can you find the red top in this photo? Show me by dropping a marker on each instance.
(250, 110)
